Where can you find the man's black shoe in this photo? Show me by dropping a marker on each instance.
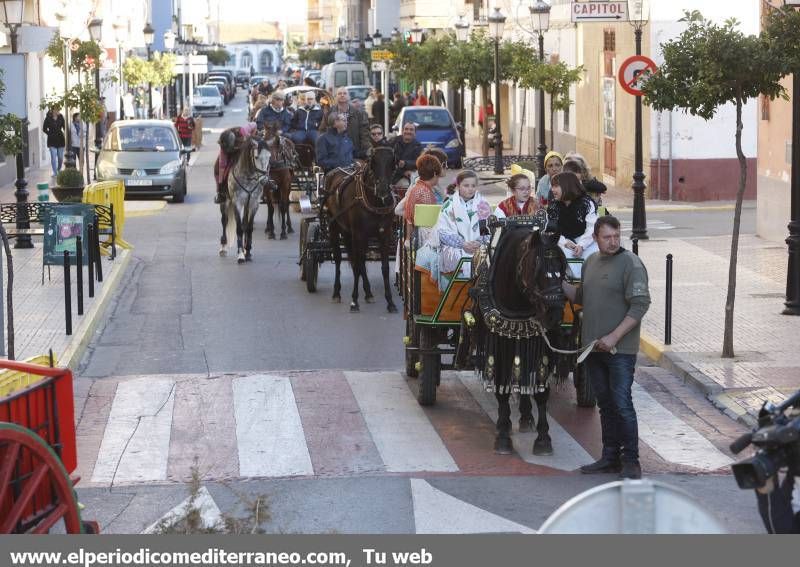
(602, 466)
(631, 470)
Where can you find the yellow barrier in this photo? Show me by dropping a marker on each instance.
(13, 380)
(110, 194)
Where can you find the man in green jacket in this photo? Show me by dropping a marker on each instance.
(615, 296)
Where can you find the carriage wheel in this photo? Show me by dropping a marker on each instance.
(35, 490)
(431, 368)
(412, 332)
(312, 269)
(583, 388)
(302, 243)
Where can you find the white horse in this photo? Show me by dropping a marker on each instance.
(245, 185)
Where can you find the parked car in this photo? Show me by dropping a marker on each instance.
(228, 75)
(360, 92)
(207, 100)
(147, 156)
(227, 93)
(243, 78)
(255, 79)
(435, 127)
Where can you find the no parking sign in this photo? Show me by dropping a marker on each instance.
(631, 70)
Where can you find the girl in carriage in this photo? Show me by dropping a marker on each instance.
(520, 202)
(457, 233)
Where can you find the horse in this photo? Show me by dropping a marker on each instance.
(245, 184)
(360, 204)
(520, 304)
(227, 143)
(284, 160)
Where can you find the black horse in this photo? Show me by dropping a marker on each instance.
(520, 305)
(360, 205)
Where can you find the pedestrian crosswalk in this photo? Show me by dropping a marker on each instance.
(333, 423)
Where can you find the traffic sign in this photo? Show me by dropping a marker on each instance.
(631, 70)
(599, 11)
(379, 66)
(382, 55)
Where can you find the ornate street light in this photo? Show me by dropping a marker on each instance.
(96, 33)
(395, 34)
(12, 18)
(65, 30)
(354, 43)
(638, 15)
(792, 304)
(540, 23)
(377, 38)
(462, 35)
(416, 33)
(169, 45)
(120, 36)
(497, 22)
(368, 42)
(149, 35)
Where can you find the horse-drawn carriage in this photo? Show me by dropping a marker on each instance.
(459, 321)
(38, 451)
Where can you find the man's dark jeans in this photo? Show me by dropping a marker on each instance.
(611, 376)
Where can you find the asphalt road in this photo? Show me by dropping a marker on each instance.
(183, 310)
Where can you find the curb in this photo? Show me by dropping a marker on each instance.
(85, 331)
(662, 355)
(157, 208)
(674, 208)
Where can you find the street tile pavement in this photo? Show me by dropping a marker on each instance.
(766, 366)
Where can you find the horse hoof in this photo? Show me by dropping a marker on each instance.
(526, 424)
(503, 445)
(391, 308)
(290, 230)
(240, 260)
(271, 235)
(283, 236)
(543, 447)
(354, 308)
(222, 252)
(370, 299)
(248, 258)
(336, 299)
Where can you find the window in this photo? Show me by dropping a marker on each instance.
(141, 139)
(566, 119)
(764, 107)
(340, 79)
(358, 78)
(609, 40)
(432, 119)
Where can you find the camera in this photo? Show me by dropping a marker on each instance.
(777, 439)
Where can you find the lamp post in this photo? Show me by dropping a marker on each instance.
(462, 35)
(188, 34)
(540, 22)
(637, 11)
(120, 35)
(169, 45)
(65, 30)
(96, 33)
(497, 22)
(12, 17)
(792, 304)
(149, 33)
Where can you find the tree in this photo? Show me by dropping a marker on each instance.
(10, 127)
(319, 57)
(555, 79)
(217, 57)
(162, 68)
(708, 66)
(137, 71)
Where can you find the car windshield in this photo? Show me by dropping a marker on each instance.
(141, 138)
(206, 91)
(437, 119)
(360, 92)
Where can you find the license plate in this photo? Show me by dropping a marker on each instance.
(140, 182)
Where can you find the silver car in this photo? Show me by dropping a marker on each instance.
(148, 156)
(207, 101)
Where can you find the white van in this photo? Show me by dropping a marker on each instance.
(344, 74)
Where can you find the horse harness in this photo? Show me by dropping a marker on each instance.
(259, 176)
(358, 173)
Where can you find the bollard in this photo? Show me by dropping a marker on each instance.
(97, 256)
(43, 192)
(635, 246)
(668, 307)
(90, 263)
(67, 293)
(79, 265)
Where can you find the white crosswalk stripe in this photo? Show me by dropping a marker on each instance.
(149, 434)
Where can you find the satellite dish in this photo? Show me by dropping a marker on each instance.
(632, 507)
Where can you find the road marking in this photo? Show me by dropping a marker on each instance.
(673, 439)
(269, 432)
(436, 512)
(136, 440)
(567, 455)
(209, 512)
(405, 438)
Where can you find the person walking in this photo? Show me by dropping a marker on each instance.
(185, 126)
(421, 99)
(368, 102)
(396, 107)
(127, 106)
(76, 131)
(615, 297)
(54, 128)
(378, 109)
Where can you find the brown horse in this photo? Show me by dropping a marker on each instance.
(360, 205)
(519, 307)
(281, 170)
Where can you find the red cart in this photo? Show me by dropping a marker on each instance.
(38, 451)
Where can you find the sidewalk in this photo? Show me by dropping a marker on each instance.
(39, 312)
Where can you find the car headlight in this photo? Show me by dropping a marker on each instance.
(105, 169)
(170, 168)
(454, 143)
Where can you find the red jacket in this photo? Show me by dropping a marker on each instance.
(184, 126)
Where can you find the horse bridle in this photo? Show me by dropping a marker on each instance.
(547, 254)
(371, 153)
(259, 176)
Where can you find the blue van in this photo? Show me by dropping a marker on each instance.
(435, 127)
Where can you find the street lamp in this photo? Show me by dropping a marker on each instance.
(96, 33)
(354, 43)
(169, 45)
(149, 34)
(497, 22)
(377, 38)
(540, 23)
(416, 33)
(12, 17)
(120, 35)
(368, 42)
(462, 35)
(638, 13)
(65, 31)
(395, 34)
(792, 304)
